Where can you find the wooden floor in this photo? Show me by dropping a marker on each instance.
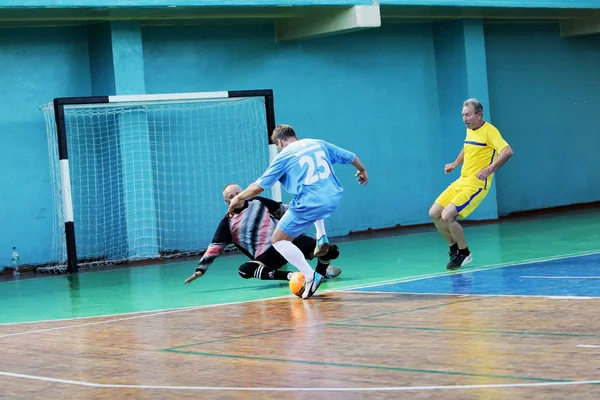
(349, 345)
(520, 322)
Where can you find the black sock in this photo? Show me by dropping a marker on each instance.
(273, 274)
(321, 268)
(454, 248)
(464, 252)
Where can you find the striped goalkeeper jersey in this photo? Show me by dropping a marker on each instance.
(249, 229)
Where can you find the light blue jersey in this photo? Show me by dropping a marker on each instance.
(305, 168)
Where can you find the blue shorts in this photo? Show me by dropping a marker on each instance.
(293, 225)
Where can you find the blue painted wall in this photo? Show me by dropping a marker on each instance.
(545, 97)
(102, 68)
(392, 94)
(372, 92)
(34, 71)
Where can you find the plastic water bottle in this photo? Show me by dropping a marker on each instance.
(15, 261)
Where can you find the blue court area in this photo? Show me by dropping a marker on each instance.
(573, 276)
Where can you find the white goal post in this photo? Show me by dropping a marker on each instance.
(140, 177)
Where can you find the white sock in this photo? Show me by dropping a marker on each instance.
(320, 225)
(294, 256)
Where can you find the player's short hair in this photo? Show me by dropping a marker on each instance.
(230, 184)
(477, 106)
(283, 132)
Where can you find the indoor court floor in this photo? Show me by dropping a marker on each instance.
(521, 321)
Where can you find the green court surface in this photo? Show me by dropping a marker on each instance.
(364, 262)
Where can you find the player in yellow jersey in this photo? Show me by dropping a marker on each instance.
(484, 151)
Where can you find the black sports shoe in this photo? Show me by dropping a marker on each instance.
(459, 260)
(452, 254)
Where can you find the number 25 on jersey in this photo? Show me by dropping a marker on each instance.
(313, 174)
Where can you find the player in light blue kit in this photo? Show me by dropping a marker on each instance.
(304, 168)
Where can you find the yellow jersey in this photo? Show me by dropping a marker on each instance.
(481, 148)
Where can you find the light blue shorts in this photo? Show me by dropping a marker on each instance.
(292, 225)
(300, 216)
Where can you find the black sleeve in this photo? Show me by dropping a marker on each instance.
(223, 233)
(221, 239)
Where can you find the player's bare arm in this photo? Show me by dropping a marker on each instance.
(452, 166)
(504, 155)
(363, 177)
(194, 276)
(250, 191)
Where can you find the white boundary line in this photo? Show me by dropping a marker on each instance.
(58, 328)
(146, 314)
(559, 277)
(151, 313)
(298, 389)
(468, 271)
(483, 295)
(107, 315)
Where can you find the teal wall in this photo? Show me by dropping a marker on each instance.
(350, 90)
(393, 95)
(545, 96)
(33, 72)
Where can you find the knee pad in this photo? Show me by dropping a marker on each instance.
(248, 270)
(332, 253)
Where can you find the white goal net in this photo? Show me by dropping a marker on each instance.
(147, 177)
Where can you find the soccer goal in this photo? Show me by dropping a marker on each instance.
(140, 177)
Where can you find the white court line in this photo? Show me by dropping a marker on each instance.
(468, 271)
(14, 281)
(146, 315)
(151, 313)
(99, 316)
(160, 311)
(297, 389)
(58, 328)
(483, 295)
(560, 277)
(591, 346)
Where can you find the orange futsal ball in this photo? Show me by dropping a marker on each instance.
(297, 284)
